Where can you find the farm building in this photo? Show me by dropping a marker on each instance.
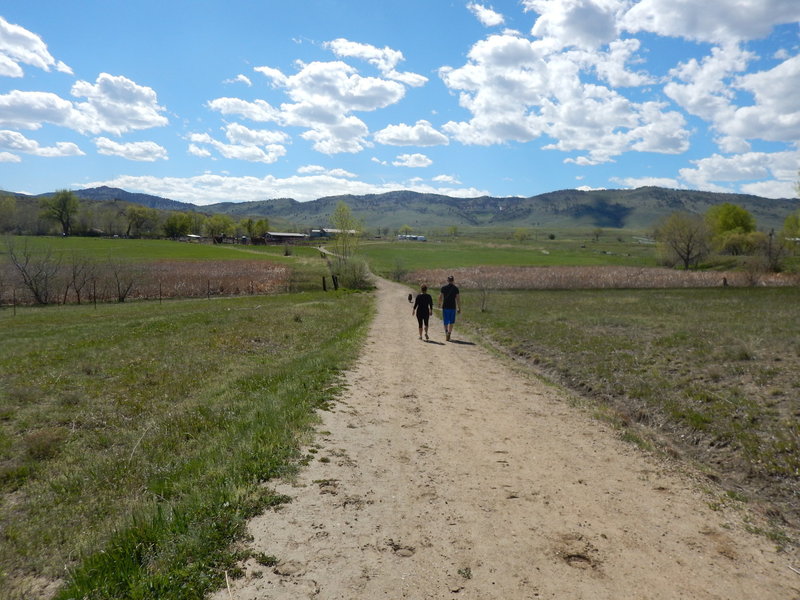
(276, 237)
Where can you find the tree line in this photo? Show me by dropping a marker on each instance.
(687, 239)
(64, 213)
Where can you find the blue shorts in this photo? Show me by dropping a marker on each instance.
(449, 315)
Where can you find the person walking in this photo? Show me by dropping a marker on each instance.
(423, 307)
(450, 303)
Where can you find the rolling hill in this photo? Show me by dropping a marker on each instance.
(638, 208)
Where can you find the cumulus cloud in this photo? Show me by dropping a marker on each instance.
(18, 46)
(637, 182)
(582, 23)
(138, 151)
(384, 59)
(115, 104)
(720, 22)
(450, 179)
(323, 96)
(717, 172)
(16, 142)
(246, 144)
(422, 133)
(412, 160)
(318, 169)
(486, 15)
(519, 90)
(211, 188)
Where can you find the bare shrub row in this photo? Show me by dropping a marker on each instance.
(58, 281)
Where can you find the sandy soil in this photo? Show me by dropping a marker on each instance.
(446, 473)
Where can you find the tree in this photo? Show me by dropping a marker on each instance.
(685, 237)
(452, 231)
(176, 225)
(218, 225)
(62, 207)
(521, 234)
(39, 272)
(405, 230)
(141, 220)
(8, 208)
(349, 231)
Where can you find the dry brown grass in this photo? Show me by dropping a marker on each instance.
(594, 277)
(149, 281)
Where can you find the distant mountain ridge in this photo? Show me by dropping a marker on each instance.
(638, 208)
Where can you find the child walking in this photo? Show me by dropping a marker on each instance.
(423, 307)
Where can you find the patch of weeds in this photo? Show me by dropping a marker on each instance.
(466, 573)
(737, 496)
(44, 443)
(324, 459)
(264, 559)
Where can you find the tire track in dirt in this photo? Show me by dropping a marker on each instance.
(444, 473)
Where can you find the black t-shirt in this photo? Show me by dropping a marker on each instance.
(449, 293)
(423, 304)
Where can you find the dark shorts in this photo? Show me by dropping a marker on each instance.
(422, 320)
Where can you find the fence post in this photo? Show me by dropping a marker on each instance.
(324, 285)
(335, 282)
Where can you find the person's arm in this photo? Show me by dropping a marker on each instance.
(458, 302)
(439, 302)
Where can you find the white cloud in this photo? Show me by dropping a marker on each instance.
(583, 23)
(8, 157)
(446, 179)
(138, 151)
(20, 46)
(486, 15)
(422, 133)
(210, 188)
(720, 21)
(412, 160)
(15, 141)
(239, 134)
(318, 170)
(240, 79)
(519, 90)
(637, 182)
(384, 59)
(196, 150)
(29, 110)
(249, 145)
(775, 170)
(258, 110)
(116, 105)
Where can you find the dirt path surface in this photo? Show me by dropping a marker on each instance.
(443, 473)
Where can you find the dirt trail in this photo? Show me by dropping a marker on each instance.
(443, 473)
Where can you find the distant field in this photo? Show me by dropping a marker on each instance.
(134, 437)
(390, 257)
(713, 371)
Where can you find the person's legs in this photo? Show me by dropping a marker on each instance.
(448, 317)
(425, 322)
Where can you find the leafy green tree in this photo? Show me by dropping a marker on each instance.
(141, 220)
(8, 209)
(217, 225)
(261, 227)
(684, 237)
(405, 230)
(452, 231)
(177, 224)
(727, 217)
(521, 234)
(62, 207)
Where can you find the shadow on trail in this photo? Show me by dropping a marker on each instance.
(432, 342)
(463, 343)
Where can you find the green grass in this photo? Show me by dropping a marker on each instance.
(134, 438)
(140, 250)
(713, 369)
(388, 257)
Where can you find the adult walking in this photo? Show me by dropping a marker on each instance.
(450, 303)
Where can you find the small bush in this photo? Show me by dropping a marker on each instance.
(44, 443)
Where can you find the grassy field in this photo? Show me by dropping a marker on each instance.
(708, 374)
(391, 258)
(134, 438)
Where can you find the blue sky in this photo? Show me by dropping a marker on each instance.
(209, 101)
